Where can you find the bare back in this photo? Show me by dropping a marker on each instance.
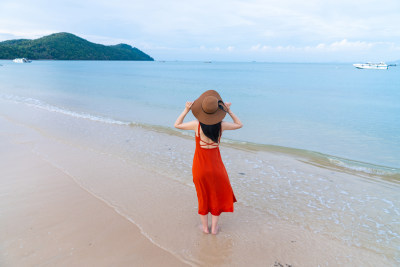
(206, 142)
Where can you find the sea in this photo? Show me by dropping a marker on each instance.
(340, 118)
(348, 115)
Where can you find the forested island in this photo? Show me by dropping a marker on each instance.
(67, 46)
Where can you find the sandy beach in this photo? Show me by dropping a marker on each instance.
(49, 220)
(70, 196)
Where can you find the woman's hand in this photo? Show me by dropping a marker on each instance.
(188, 105)
(187, 125)
(228, 105)
(236, 121)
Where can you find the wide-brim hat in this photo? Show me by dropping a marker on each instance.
(209, 108)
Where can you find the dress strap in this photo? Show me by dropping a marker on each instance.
(198, 129)
(208, 144)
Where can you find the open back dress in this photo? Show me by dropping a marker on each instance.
(214, 190)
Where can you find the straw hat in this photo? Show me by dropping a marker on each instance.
(209, 108)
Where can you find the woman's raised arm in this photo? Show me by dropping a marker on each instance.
(237, 124)
(191, 125)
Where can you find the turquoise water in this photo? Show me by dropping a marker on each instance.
(333, 109)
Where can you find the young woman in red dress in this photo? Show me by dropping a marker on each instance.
(214, 191)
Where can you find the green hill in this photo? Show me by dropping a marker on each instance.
(66, 46)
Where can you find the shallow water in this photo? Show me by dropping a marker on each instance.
(319, 150)
(357, 211)
(335, 109)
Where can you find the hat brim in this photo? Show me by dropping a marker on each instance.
(205, 118)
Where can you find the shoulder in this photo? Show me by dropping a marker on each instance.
(224, 124)
(193, 124)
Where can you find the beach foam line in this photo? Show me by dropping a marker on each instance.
(324, 160)
(361, 166)
(42, 105)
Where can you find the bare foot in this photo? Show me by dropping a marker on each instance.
(215, 231)
(205, 230)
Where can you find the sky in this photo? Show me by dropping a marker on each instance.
(235, 30)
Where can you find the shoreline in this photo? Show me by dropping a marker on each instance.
(338, 163)
(117, 166)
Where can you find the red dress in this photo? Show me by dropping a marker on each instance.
(214, 191)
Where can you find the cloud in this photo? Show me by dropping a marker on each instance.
(343, 45)
(216, 49)
(235, 26)
(7, 34)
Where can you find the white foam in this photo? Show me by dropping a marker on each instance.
(362, 167)
(42, 105)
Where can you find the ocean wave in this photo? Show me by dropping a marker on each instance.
(42, 105)
(363, 167)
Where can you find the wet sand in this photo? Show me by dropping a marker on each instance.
(48, 220)
(66, 201)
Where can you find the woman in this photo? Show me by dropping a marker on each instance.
(214, 191)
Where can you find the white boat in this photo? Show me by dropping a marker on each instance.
(375, 66)
(22, 60)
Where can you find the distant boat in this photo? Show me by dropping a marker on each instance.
(375, 66)
(22, 60)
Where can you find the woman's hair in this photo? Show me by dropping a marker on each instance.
(212, 131)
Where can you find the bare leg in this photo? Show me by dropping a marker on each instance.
(214, 224)
(204, 222)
